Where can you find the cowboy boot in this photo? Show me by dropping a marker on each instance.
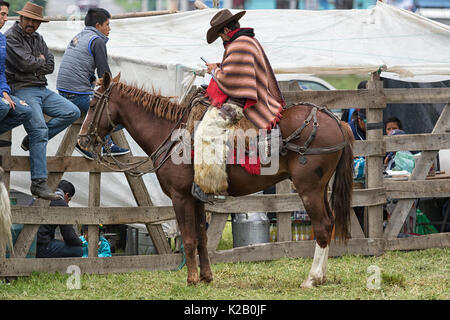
(40, 189)
(199, 194)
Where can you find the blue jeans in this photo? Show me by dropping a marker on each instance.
(63, 113)
(82, 101)
(58, 249)
(10, 118)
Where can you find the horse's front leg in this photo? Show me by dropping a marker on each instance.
(205, 266)
(184, 206)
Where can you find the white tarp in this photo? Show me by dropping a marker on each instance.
(161, 51)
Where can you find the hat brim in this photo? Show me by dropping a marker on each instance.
(213, 32)
(31, 16)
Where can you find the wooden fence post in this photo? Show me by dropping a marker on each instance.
(284, 228)
(93, 201)
(374, 178)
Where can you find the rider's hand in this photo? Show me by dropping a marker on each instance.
(211, 66)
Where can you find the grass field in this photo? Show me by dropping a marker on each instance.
(422, 275)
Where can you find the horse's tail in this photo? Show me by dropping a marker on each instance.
(5, 216)
(341, 196)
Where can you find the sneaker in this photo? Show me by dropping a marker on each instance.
(40, 189)
(115, 150)
(84, 153)
(25, 144)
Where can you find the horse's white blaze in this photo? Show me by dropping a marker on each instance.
(319, 267)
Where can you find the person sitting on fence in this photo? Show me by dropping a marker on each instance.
(13, 111)
(86, 53)
(47, 245)
(104, 247)
(28, 61)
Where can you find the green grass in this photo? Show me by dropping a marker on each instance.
(420, 275)
(344, 82)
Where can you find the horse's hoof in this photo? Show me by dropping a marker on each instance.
(206, 279)
(307, 284)
(192, 282)
(312, 282)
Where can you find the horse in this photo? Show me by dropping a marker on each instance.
(151, 118)
(5, 216)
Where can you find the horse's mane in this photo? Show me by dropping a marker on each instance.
(160, 106)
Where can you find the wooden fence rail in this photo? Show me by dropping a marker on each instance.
(374, 241)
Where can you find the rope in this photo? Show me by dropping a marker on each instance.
(183, 261)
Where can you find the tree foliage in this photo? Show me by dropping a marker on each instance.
(17, 5)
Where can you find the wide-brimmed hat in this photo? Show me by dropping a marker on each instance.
(220, 20)
(32, 11)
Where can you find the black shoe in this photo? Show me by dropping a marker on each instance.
(25, 144)
(5, 143)
(40, 189)
(199, 194)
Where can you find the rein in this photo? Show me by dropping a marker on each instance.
(163, 148)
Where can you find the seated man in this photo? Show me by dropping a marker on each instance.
(13, 112)
(86, 53)
(28, 60)
(47, 245)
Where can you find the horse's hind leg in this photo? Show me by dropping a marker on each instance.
(322, 222)
(200, 223)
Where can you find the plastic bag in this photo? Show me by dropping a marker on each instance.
(423, 225)
(358, 168)
(404, 160)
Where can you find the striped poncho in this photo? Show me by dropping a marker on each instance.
(245, 73)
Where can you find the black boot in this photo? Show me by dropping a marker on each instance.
(25, 145)
(199, 194)
(40, 189)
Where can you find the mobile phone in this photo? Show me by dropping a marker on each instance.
(206, 61)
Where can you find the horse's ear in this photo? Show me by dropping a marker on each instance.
(106, 80)
(117, 78)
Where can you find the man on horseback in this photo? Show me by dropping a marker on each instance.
(242, 84)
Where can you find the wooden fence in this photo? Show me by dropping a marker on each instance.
(372, 241)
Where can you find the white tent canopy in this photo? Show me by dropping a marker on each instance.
(161, 51)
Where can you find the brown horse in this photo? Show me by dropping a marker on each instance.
(150, 119)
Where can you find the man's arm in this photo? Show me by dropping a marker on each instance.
(98, 49)
(69, 235)
(22, 59)
(49, 65)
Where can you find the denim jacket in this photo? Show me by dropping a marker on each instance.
(3, 84)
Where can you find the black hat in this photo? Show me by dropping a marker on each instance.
(219, 21)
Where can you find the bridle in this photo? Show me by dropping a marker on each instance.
(102, 103)
(92, 135)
